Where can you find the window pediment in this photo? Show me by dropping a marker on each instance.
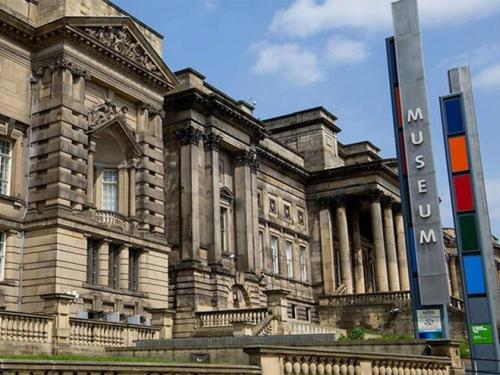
(226, 194)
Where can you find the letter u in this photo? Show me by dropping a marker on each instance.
(426, 214)
(420, 139)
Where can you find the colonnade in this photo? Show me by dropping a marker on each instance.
(340, 217)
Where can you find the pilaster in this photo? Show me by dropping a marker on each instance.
(357, 250)
(401, 247)
(124, 274)
(103, 278)
(345, 251)
(382, 284)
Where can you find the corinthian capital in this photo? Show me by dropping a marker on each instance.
(189, 135)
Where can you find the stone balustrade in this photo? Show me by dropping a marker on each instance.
(288, 361)
(92, 333)
(366, 298)
(268, 327)
(225, 318)
(112, 219)
(22, 327)
(296, 327)
(26, 367)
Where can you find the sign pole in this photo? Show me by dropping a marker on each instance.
(470, 212)
(425, 246)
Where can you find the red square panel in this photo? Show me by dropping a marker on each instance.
(463, 193)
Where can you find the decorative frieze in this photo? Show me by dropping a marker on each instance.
(62, 64)
(121, 40)
(189, 135)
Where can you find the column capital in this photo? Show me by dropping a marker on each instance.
(339, 200)
(375, 195)
(397, 207)
(387, 201)
(324, 202)
(189, 135)
(212, 141)
(247, 158)
(64, 64)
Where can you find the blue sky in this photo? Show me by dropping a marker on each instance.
(288, 55)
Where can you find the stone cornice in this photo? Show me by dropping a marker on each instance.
(62, 64)
(282, 162)
(350, 170)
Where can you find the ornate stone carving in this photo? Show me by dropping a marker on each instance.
(248, 158)
(189, 135)
(61, 64)
(104, 112)
(121, 40)
(212, 141)
(339, 200)
(152, 110)
(375, 195)
(324, 202)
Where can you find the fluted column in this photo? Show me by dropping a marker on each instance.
(190, 202)
(212, 145)
(326, 243)
(452, 267)
(382, 284)
(345, 251)
(357, 251)
(90, 174)
(401, 248)
(390, 245)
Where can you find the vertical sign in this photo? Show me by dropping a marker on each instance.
(418, 177)
(474, 242)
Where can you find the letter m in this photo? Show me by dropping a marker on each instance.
(414, 116)
(428, 237)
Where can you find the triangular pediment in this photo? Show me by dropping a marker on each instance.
(226, 194)
(120, 38)
(117, 122)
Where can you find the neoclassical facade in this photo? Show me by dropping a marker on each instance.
(133, 190)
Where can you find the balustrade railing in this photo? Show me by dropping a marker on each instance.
(366, 298)
(16, 326)
(224, 318)
(306, 328)
(111, 218)
(93, 333)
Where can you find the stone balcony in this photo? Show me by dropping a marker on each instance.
(112, 219)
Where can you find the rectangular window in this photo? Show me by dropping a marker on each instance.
(114, 266)
(5, 160)
(3, 245)
(294, 311)
(92, 261)
(308, 314)
(289, 258)
(223, 229)
(261, 249)
(259, 198)
(110, 190)
(274, 254)
(133, 270)
(303, 263)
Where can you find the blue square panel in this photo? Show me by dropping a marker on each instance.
(454, 120)
(474, 274)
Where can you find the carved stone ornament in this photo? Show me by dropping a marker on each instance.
(104, 112)
(121, 40)
(212, 141)
(189, 135)
(62, 64)
(248, 158)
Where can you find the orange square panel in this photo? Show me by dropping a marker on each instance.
(458, 154)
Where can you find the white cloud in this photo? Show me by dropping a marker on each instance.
(210, 5)
(345, 51)
(483, 55)
(488, 79)
(307, 17)
(291, 61)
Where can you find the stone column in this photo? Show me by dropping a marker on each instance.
(131, 190)
(103, 263)
(381, 281)
(212, 145)
(390, 243)
(123, 189)
(357, 250)
(244, 220)
(124, 276)
(452, 267)
(401, 247)
(90, 174)
(345, 251)
(190, 201)
(326, 239)
(143, 283)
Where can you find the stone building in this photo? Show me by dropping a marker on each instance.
(134, 190)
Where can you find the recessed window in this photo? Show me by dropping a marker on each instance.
(303, 263)
(133, 270)
(261, 249)
(259, 198)
(92, 261)
(308, 314)
(295, 312)
(114, 266)
(110, 190)
(3, 245)
(224, 229)
(274, 254)
(289, 258)
(5, 160)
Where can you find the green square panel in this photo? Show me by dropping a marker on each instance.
(482, 334)
(468, 230)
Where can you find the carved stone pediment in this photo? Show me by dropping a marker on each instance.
(104, 112)
(122, 41)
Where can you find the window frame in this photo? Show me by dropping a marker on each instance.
(116, 184)
(8, 167)
(92, 261)
(289, 258)
(224, 228)
(261, 250)
(133, 270)
(275, 250)
(303, 263)
(114, 266)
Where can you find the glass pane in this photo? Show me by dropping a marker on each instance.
(110, 190)
(5, 148)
